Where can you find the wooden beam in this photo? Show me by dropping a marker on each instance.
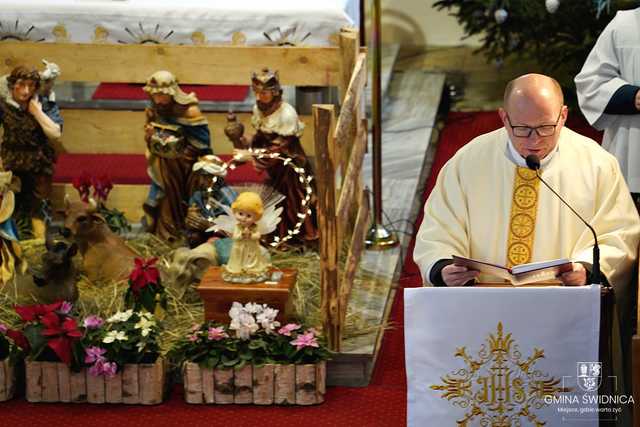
(328, 228)
(121, 132)
(334, 154)
(346, 127)
(354, 170)
(356, 248)
(133, 63)
(349, 47)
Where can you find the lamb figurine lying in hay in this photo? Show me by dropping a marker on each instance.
(184, 267)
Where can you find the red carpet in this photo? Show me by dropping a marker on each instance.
(382, 404)
(133, 91)
(131, 168)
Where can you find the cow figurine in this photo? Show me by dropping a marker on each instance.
(105, 255)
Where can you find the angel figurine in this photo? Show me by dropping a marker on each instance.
(246, 221)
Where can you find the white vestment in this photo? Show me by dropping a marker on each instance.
(468, 211)
(613, 63)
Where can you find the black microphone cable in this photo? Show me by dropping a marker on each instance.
(533, 163)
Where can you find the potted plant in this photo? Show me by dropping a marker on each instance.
(50, 337)
(102, 186)
(112, 361)
(252, 360)
(122, 356)
(145, 291)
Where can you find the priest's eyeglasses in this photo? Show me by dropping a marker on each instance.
(525, 131)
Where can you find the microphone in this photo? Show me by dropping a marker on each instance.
(533, 163)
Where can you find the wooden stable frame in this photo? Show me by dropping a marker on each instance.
(343, 208)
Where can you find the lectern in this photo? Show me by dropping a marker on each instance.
(493, 355)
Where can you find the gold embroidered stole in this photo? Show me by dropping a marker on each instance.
(522, 221)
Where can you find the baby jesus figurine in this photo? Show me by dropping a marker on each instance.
(246, 222)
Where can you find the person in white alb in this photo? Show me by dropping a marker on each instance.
(608, 88)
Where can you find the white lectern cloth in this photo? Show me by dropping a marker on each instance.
(561, 321)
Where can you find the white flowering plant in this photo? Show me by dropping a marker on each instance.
(253, 336)
(126, 337)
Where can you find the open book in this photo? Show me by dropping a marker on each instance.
(519, 274)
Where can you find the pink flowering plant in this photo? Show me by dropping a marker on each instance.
(299, 345)
(209, 345)
(126, 337)
(82, 184)
(253, 336)
(102, 186)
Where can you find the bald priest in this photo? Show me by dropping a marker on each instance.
(489, 206)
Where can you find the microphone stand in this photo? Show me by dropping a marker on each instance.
(595, 278)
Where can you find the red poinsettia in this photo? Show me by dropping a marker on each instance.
(145, 289)
(33, 313)
(144, 273)
(47, 326)
(62, 333)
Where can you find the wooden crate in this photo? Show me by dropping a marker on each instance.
(136, 384)
(286, 384)
(218, 295)
(7, 380)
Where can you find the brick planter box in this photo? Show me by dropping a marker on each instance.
(258, 385)
(136, 384)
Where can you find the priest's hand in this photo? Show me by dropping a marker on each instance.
(577, 277)
(454, 275)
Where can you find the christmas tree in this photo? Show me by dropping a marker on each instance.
(557, 34)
